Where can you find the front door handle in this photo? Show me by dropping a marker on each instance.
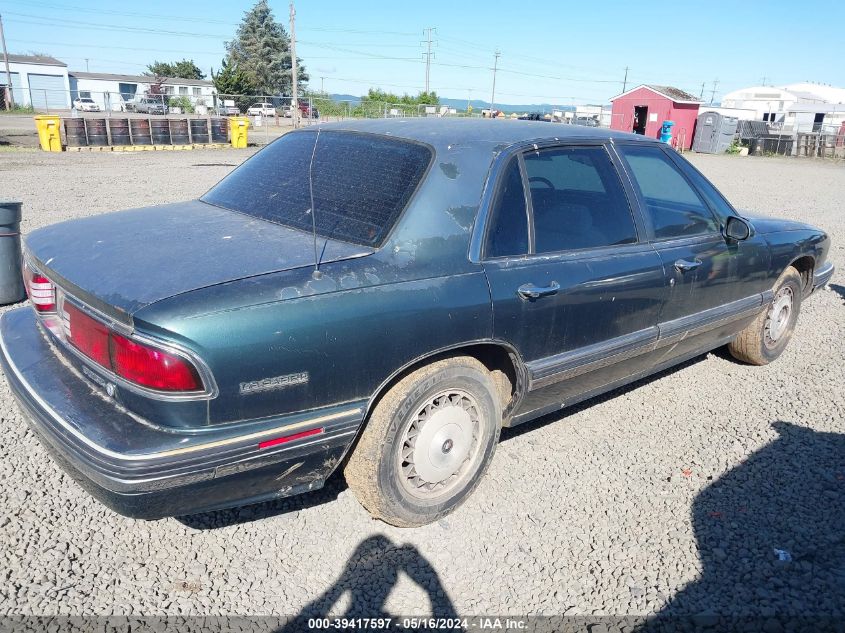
(530, 291)
(684, 265)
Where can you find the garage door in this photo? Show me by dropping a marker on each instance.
(48, 92)
(16, 85)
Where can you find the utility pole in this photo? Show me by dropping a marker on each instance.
(625, 81)
(322, 83)
(10, 101)
(294, 107)
(428, 54)
(701, 96)
(469, 99)
(495, 68)
(86, 65)
(713, 93)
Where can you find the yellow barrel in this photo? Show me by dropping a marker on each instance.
(238, 129)
(49, 134)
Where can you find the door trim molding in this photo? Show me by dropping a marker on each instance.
(552, 369)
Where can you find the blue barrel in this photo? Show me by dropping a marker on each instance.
(666, 131)
(11, 280)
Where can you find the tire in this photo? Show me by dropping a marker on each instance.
(767, 336)
(450, 406)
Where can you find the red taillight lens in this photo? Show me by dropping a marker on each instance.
(87, 335)
(136, 362)
(42, 293)
(152, 367)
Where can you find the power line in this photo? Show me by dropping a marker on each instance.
(428, 55)
(713, 93)
(493, 94)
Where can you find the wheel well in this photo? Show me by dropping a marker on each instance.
(804, 266)
(504, 365)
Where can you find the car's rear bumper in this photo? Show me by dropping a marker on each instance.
(822, 275)
(142, 470)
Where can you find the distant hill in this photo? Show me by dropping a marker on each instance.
(477, 104)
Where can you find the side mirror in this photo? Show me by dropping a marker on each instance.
(737, 229)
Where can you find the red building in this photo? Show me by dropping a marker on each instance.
(643, 110)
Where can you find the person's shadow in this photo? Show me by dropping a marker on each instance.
(771, 538)
(368, 577)
(840, 290)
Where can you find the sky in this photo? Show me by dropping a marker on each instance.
(563, 53)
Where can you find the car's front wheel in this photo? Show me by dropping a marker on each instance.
(427, 443)
(767, 336)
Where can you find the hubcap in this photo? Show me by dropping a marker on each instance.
(777, 320)
(440, 444)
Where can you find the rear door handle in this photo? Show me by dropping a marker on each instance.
(530, 291)
(684, 265)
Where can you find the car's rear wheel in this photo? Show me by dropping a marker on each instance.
(427, 443)
(767, 336)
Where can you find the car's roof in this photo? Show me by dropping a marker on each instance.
(444, 132)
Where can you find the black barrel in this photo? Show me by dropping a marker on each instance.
(199, 130)
(75, 133)
(97, 133)
(140, 131)
(179, 131)
(219, 130)
(160, 131)
(119, 129)
(11, 283)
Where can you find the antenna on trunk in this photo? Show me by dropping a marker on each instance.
(316, 274)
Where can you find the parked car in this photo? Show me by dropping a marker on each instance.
(228, 110)
(461, 276)
(150, 105)
(587, 121)
(307, 112)
(261, 109)
(84, 104)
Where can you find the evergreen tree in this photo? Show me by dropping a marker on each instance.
(261, 51)
(186, 69)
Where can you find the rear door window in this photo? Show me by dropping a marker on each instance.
(360, 183)
(577, 200)
(508, 233)
(673, 206)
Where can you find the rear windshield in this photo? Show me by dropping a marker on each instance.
(361, 183)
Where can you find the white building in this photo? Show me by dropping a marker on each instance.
(111, 91)
(38, 81)
(801, 106)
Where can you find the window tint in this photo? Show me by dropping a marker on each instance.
(361, 183)
(673, 206)
(508, 232)
(577, 200)
(712, 195)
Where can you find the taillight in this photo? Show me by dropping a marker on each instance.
(41, 291)
(152, 367)
(138, 363)
(87, 335)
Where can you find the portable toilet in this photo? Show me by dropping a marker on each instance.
(714, 133)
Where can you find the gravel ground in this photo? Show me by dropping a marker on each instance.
(667, 497)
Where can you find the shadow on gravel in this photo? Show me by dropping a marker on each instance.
(840, 290)
(556, 416)
(246, 514)
(368, 577)
(771, 539)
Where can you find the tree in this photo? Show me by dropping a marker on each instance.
(261, 51)
(231, 80)
(185, 69)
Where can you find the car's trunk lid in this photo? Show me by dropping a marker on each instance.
(120, 262)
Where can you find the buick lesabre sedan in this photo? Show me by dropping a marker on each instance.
(381, 297)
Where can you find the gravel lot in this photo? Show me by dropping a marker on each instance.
(667, 497)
